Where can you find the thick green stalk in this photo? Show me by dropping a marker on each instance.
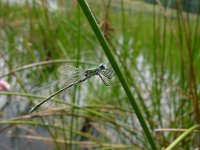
(91, 19)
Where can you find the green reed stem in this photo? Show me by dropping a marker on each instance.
(91, 19)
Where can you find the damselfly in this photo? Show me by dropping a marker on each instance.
(78, 76)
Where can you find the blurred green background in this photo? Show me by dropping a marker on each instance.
(156, 44)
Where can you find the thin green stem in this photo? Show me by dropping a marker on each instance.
(182, 136)
(91, 19)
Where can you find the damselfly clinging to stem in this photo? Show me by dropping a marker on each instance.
(82, 75)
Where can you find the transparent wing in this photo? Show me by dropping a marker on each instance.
(56, 83)
(49, 88)
(70, 80)
(46, 85)
(68, 75)
(69, 70)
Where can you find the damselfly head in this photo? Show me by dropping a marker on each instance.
(102, 66)
(86, 73)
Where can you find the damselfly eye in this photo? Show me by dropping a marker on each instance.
(86, 73)
(102, 67)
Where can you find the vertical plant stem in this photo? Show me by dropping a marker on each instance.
(124, 50)
(78, 50)
(191, 73)
(93, 23)
(75, 87)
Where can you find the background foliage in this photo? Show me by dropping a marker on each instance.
(157, 49)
